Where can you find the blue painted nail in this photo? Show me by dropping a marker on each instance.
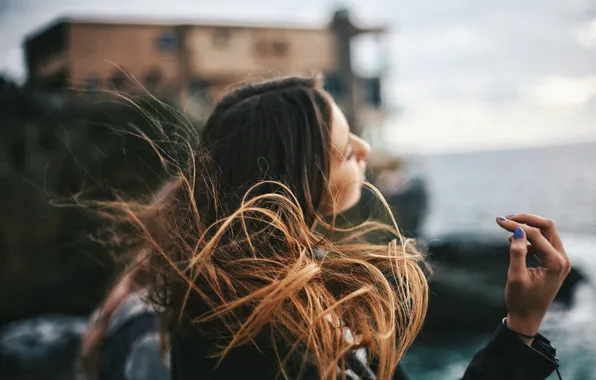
(518, 234)
(509, 216)
(501, 219)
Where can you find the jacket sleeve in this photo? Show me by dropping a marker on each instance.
(508, 357)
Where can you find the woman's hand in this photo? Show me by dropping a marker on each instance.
(530, 291)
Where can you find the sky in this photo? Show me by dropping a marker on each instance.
(462, 74)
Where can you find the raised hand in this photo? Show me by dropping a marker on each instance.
(530, 291)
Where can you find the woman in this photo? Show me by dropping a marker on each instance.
(256, 287)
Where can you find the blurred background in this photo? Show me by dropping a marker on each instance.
(474, 109)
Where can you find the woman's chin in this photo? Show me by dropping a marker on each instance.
(346, 202)
(351, 202)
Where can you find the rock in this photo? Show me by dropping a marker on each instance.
(410, 206)
(468, 284)
(41, 348)
(408, 203)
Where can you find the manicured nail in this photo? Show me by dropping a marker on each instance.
(518, 234)
(509, 216)
(501, 219)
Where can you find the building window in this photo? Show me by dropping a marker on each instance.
(335, 85)
(199, 88)
(118, 80)
(272, 49)
(221, 38)
(280, 48)
(57, 81)
(372, 92)
(167, 42)
(153, 79)
(93, 81)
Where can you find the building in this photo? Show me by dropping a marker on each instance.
(191, 63)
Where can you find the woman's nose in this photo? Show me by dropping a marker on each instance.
(362, 147)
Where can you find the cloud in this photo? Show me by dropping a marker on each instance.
(454, 40)
(492, 75)
(586, 35)
(443, 126)
(558, 91)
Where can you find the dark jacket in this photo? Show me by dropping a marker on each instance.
(130, 348)
(131, 352)
(505, 357)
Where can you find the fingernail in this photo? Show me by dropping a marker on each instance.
(501, 219)
(509, 216)
(518, 234)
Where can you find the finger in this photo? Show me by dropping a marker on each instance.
(543, 247)
(551, 233)
(518, 253)
(510, 238)
(547, 226)
(531, 250)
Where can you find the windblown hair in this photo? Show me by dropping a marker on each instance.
(238, 249)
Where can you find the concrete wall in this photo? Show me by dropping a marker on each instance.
(211, 53)
(216, 52)
(94, 49)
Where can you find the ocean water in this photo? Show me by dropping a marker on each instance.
(469, 190)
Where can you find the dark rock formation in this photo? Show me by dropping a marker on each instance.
(468, 285)
(88, 150)
(41, 348)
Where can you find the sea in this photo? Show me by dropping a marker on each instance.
(469, 190)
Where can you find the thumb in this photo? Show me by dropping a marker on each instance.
(518, 252)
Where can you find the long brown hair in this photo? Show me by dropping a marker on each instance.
(237, 243)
